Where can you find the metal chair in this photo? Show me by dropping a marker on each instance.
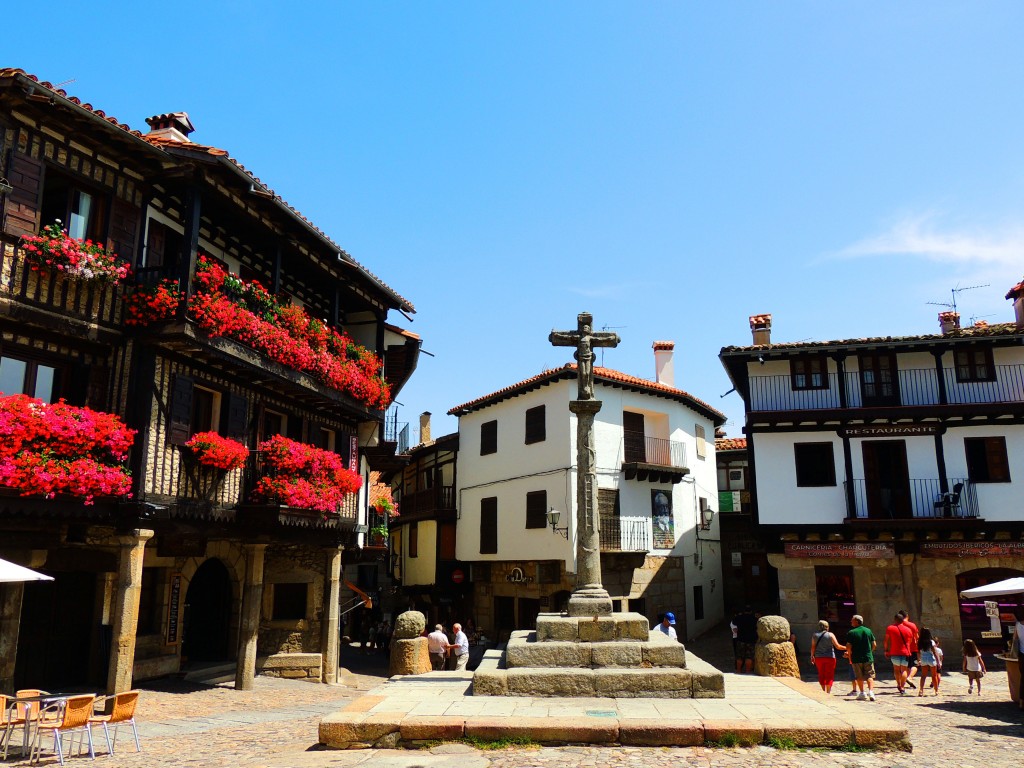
(17, 716)
(122, 713)
(949, 503)
(74, 718)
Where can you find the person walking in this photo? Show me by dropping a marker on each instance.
(823, 655)
(973, 666)
(460, 648)
(437, 647)
(912, 669)
(668, 626)
(926, 660)
(861, 641)
(896, 644)
(746, 639)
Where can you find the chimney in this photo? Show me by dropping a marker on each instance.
(664, 372)
(173, 125)
(425, 427)
(949, 322)
(1016, 295)
(761, 328)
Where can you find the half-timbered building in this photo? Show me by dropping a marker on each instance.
(240, 318)
(887, 471)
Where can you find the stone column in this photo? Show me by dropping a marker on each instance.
(10, 625)
(589, 598)
(126, 610)
(330, 625)
(252, 601)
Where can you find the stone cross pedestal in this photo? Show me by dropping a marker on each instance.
(589, 598)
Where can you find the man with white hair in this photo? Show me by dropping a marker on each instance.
(437, 646)
(460, 649)
(861, 642)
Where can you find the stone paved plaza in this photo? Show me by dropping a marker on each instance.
(276, 726)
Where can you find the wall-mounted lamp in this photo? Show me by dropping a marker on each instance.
(553, 515)
(5, 186)
(760, 359)
(707, 515)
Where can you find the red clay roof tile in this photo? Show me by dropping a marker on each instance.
(730, 444)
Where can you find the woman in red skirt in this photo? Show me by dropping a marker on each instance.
(823, 655)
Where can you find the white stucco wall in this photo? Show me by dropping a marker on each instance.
(779, 499)
(421, 569)
(996, 501)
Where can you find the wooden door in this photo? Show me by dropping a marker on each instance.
(879, 380)
(633, 437)
(886, 479)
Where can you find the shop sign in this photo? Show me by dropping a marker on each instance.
(516, 576)
(972, 548)
(856, 550)
(889, 430)
(173, 606)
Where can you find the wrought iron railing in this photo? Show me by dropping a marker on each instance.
(639, 448)
(625, 534)
(91, 302)
(920, 498)
(438, 499)
(396, 431)
(911, 387)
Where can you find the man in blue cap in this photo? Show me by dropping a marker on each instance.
(668, 625)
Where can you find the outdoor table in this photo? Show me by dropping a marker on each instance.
(26, 702)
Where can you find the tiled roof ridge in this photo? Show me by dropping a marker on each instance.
(995, 329)
(599, 371)
(730, 443)
(162, 143)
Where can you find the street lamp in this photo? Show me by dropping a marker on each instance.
(553, 515)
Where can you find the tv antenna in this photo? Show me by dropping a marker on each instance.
(62, 83)
(953, 292)
(609, 328)
(976, 318)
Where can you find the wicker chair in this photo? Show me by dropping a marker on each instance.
(123, 713)
(74, 718)
(18, 716)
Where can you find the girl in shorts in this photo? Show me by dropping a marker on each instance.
(927, 661)
(973, 666)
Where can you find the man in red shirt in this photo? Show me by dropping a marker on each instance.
(898, 637)
(912, 666)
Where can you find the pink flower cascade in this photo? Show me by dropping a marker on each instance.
(224, 305)
(212, 450)
(46, 449)
(53, 250)
(300, 475)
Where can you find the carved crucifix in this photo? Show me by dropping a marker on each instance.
(589, 598)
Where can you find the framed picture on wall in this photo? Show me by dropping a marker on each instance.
(661, 515)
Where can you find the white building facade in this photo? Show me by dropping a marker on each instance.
(657, 499)
(888, 472)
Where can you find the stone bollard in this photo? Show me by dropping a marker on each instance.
(774, 655)
(409, 655)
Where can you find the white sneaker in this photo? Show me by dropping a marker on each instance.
(871, 695)
(861, 697)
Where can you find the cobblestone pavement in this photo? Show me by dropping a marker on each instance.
(275, 726)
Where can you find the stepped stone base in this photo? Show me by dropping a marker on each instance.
(618, 665)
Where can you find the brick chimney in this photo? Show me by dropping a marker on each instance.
(949, 322)
(761, 329)
(664, 370)
(425, 427)
(173, 125)
(1016, 295)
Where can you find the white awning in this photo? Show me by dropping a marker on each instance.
(1014, 586)
(14, 572)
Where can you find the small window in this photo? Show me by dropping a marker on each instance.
(809, 372)
(327, 439)
(536, 509)
(82, 211)
(986, 459)
(974, 365)
(535, 427)
(205, 410)
(815, 464)
(698, 602)
(414, 540)
(488, 437)
(489, 525)
(702, 443)
(289, 602)
(274, 423)
(25, 377)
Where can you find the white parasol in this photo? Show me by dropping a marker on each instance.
(1014, 586)
(14, 572)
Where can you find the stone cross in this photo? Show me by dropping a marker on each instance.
(589, 598)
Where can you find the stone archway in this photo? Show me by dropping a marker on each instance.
(207, 614)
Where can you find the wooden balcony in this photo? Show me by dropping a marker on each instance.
(430, 503)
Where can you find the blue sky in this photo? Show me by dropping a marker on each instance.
(669, 167)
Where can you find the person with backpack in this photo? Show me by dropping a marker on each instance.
(897, 643)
